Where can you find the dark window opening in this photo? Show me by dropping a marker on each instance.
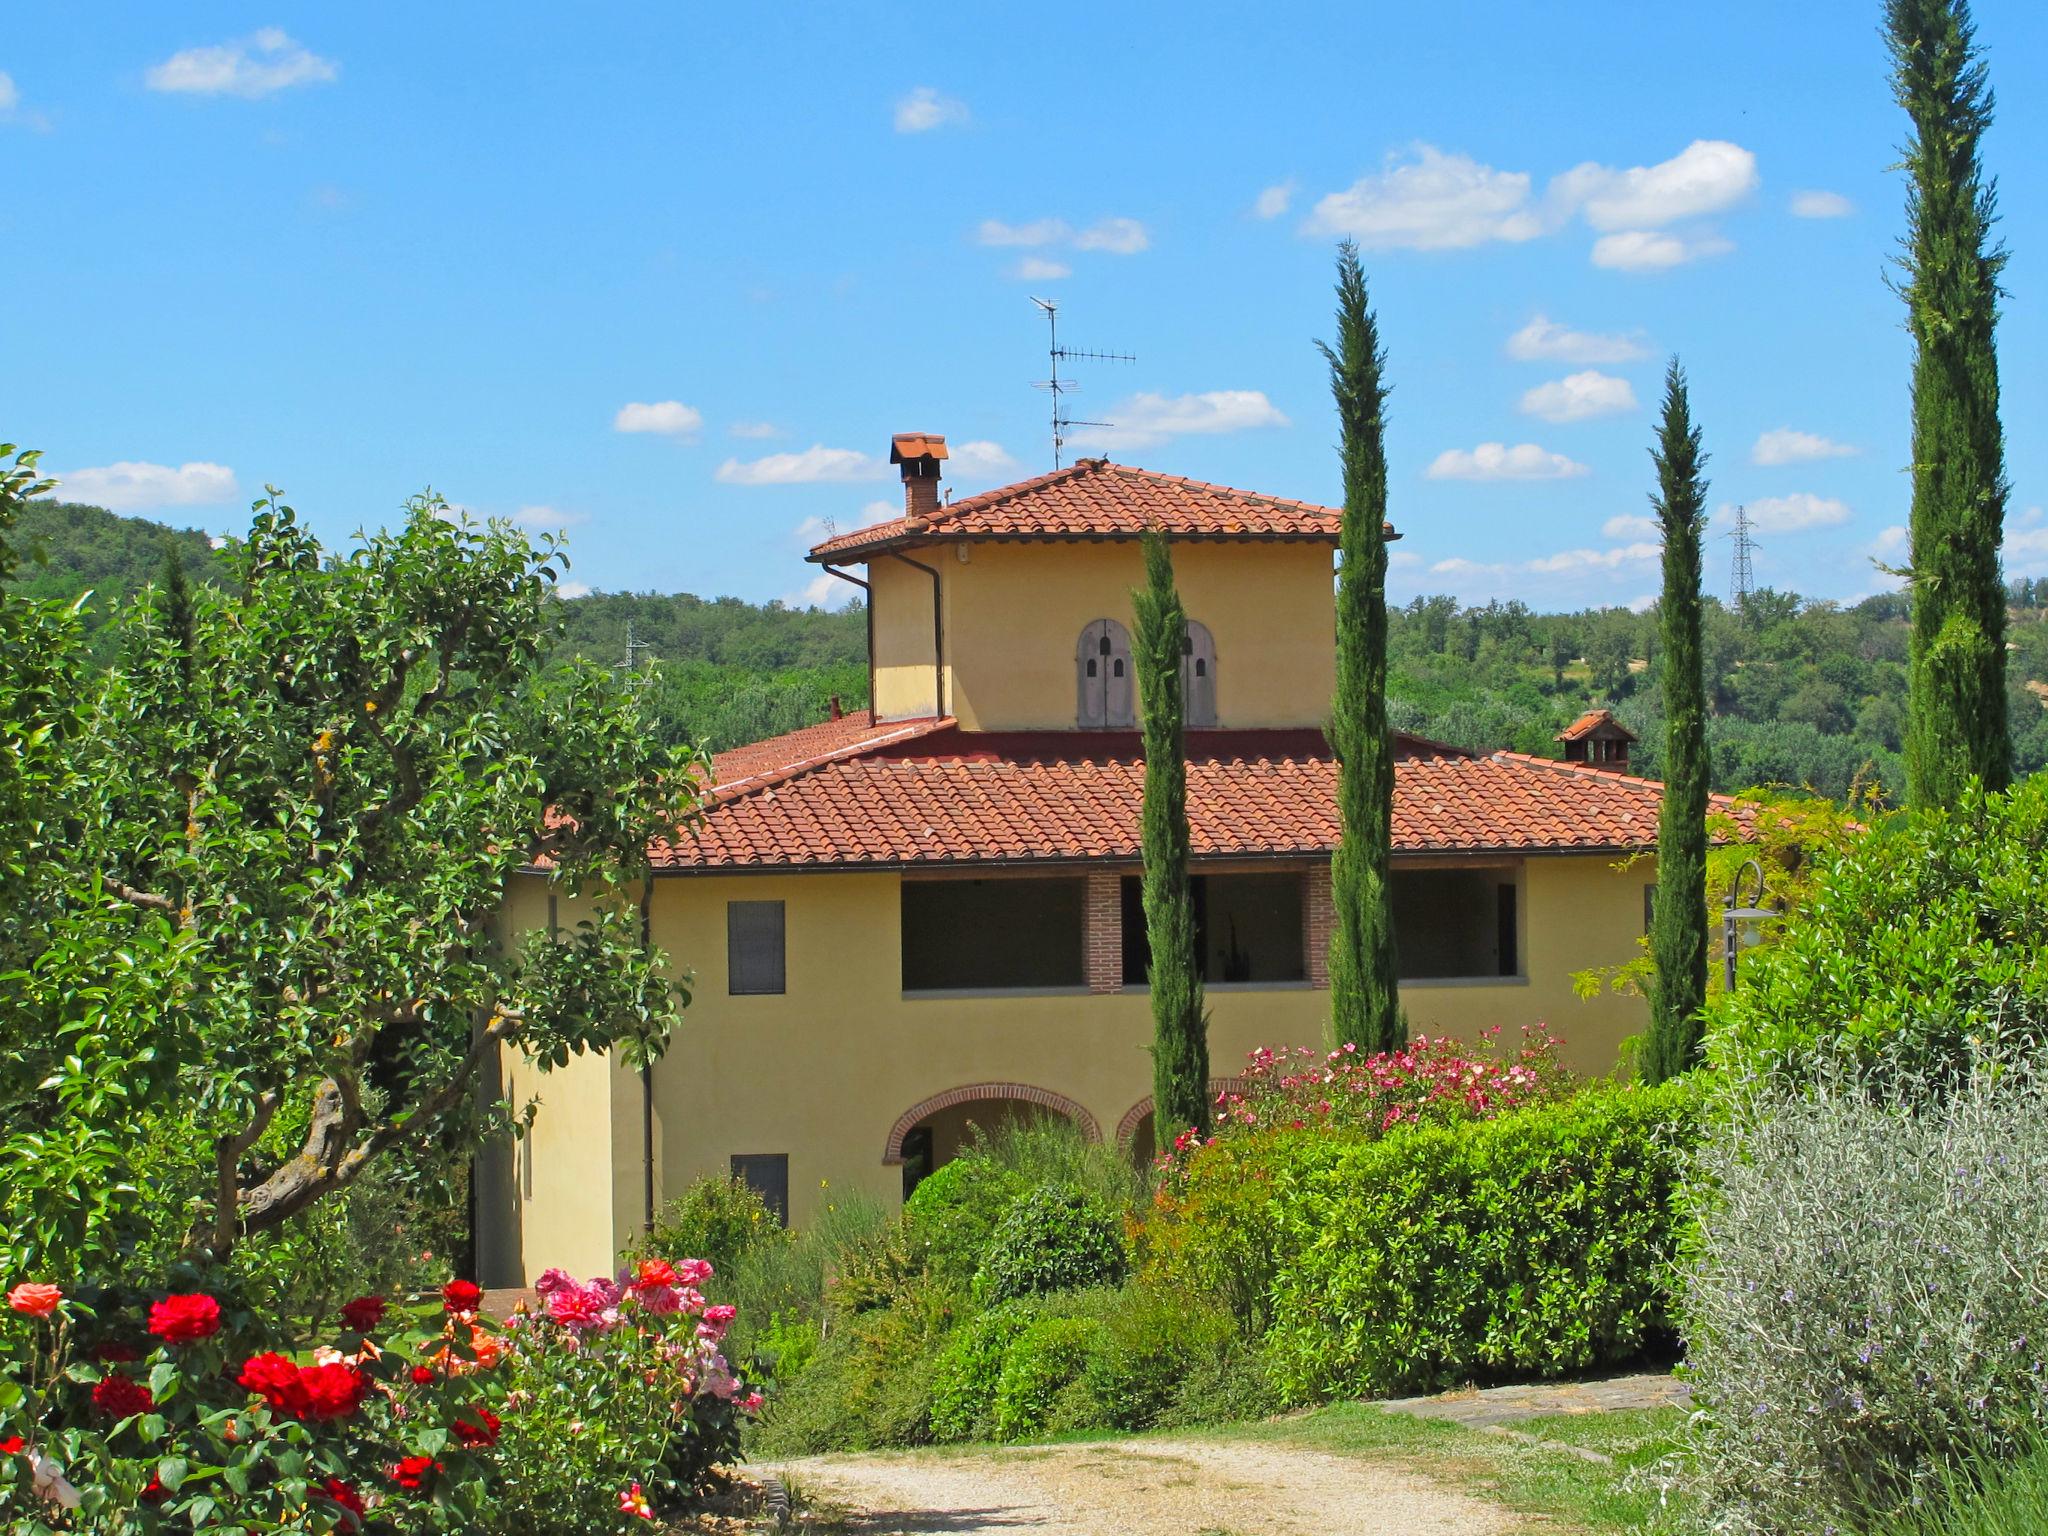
(754, 947)
(971, 935)
(767, 1175)
(917, 1158)
(1247, 928)
(1451, 923)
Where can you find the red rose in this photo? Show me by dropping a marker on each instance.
(423, 1375)
(478, 1430)
(460, 1296)
(118, 1397)
(364, 1313)
(114, 1352)
(183, 1318)
(12, 1445)
(34, 1299)
(331, 1391)
(340, 1493)
(414, 1471)
(653, 1274)
(156, 1492)
(276, 1379)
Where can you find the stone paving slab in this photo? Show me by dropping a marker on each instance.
(1486, 1407)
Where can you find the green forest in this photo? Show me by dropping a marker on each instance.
(1803, 693)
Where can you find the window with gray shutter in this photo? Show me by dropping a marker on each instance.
(753, 947)
(767, 1175)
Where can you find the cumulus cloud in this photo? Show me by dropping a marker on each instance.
(925, 109)
(1797, 513)
(1117, 236)
(572, 589)
(1783, 445)
(1580, 397)
(258, 65)
(1429, 201)
(1544, 340)
(755, 429)
(1565, 563)
(816, 465)
(979, 460)
(1707, 176)
(545, 519)
(1120, 237)
(1821, 205)
(1037, 232)
(1497, 461)
(2026, 544)
(1146, 420)
(1652, 250)
(1040, 269)
(669, 418)
(133, 486)
(1635, 529)
(1275, 200)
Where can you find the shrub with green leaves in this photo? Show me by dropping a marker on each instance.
(1053, 1239)
(1927, 933)
(719, 1219)
(1151, 1343)
(871, 1381)
(1864, 1305)
(968, 1370)
(1532, 1244)
(1050, 1355)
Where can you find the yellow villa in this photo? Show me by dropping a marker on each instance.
(925, 914)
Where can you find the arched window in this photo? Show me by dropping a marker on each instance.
(1198, 677)
(1105, 692)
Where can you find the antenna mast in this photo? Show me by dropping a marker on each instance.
(1058, 387)
(1744, 581)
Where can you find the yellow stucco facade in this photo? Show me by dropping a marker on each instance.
(824, 1071)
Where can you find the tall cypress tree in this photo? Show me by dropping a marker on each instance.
(1957, 727)
(1365, 1005)
(1180, 1028)
(1678, 936)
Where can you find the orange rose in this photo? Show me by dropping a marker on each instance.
(34, 1299)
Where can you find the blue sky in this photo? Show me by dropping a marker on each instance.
(670, 275)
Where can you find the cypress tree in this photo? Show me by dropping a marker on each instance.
(1180, 1028)
(1678, 935)
(1365, 1008)
(1957, 728)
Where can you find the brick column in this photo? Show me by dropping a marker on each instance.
(1105, 931)
(1318, 917)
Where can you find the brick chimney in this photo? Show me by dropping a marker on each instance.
(920, 454)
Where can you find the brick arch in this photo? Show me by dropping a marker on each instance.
(1127, 1127)
(974, 1093)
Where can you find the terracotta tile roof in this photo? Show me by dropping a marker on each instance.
(1590, 722)
(917, 445)
(926, 793)
(1098, 500)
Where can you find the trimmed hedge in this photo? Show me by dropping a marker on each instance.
(1052, 1239)
(1533, 1244)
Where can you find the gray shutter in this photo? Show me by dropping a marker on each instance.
(1198, 677)
(753, 947)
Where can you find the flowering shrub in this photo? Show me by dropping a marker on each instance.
(182, 1416)
(617, 1400)
(1430, 1082)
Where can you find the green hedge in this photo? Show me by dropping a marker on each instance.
(1534, 1244)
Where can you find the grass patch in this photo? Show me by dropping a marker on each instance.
(1531, 1479)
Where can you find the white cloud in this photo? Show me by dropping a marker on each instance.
(258, 65)
(1707, 176)
(1429, 202)
(1821, 205)
(1633, 528)
(755, 429)
(1040, 269)
(10, 97)
(1120, 237)
(1037, 232)
(131, 485)
(979, 460)
(1796, 513)
(822, 591)
(925, 109)
(1544, 340)
(1580, 397)
(1565, 563)
(670, 418)
(2026, 544)
(1642, 603)
(1497, 461)
(1650, 250)
(572, 589)
(1275, 200)
(544, 519)
(1146, 420)
(1783, 445)
(1890, 544)
(816, 465)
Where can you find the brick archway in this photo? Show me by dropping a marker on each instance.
(1127, 1128)
(973, 1093)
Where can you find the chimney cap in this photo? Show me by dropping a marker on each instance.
(905, 446)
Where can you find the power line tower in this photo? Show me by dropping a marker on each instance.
(1744, 581)
(633, 649)
(1058, 387)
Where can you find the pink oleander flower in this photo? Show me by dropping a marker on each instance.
(634, 1502)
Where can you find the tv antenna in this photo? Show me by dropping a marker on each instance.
(1744, 580)
(1058, 387)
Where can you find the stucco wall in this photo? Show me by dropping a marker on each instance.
(903, 653)
(823, 1071)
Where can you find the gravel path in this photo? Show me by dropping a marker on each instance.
(1141, 1488)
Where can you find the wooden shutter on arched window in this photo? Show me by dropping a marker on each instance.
(1198, 677)
(1104, 695)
